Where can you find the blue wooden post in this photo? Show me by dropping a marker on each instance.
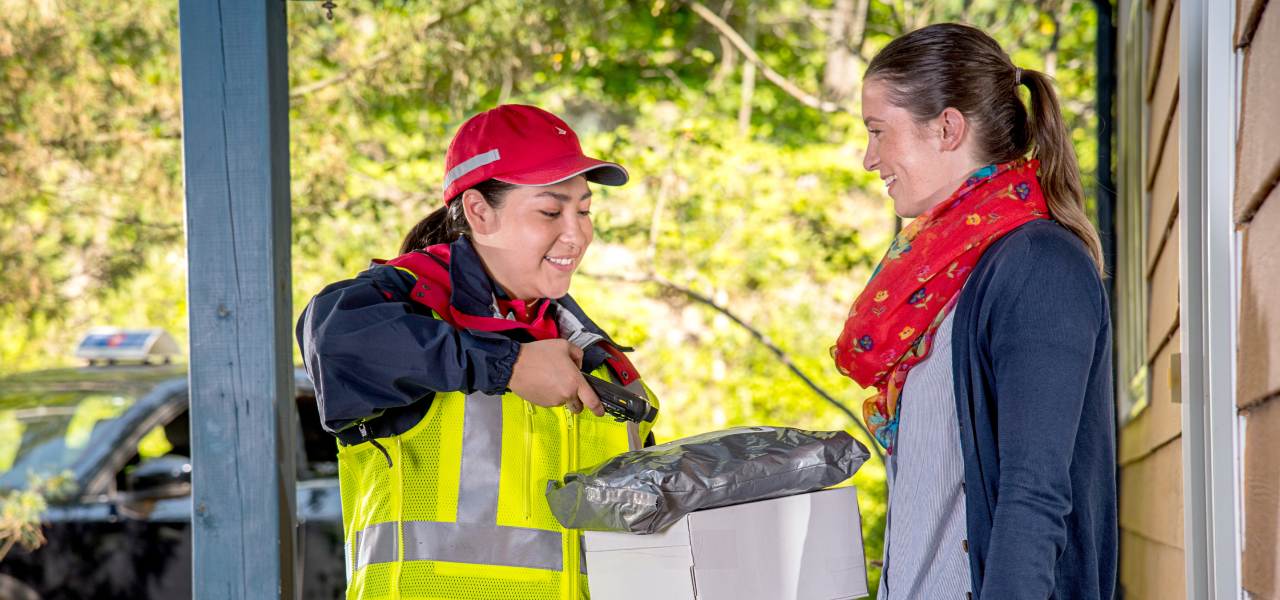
(235, 124)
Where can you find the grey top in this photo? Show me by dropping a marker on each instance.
(925, 551)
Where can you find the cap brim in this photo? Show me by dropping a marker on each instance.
(562, 169)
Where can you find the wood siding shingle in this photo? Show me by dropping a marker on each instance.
(1257, 205)
(1258, 361)
(1261, 560)
(1150, 570)
(1258, 159)
(1162, 96)
(1164, 197)
(1155, 512)
(1156, 426)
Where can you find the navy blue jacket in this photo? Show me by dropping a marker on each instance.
(377, 358)
(1033, 383)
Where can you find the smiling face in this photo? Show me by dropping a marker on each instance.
(920, 163)
(534, 242)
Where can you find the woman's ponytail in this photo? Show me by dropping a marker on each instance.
(446, 224)
(428, 232)
(1059, 170)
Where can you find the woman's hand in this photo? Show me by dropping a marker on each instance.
(547, 373)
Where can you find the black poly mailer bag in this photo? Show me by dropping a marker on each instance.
(646, 490)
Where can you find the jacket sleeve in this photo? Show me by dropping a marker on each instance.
(367, 349)
(1045, 323)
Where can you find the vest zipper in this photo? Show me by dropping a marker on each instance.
(397, 482)
(572, 536)
(364, 433)
(528, 460)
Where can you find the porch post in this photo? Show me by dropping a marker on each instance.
(235, 125)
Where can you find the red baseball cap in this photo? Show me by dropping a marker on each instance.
(520, 144)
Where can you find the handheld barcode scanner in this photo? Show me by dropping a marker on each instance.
(620, 403)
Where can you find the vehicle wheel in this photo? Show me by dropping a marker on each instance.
(12, 589)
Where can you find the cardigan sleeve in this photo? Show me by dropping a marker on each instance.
(1047, 315)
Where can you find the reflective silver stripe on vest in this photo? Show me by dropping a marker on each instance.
(376, 544)
(475, 538)
(633, 429)
(633, 436)
(483, 544)
(348, 550)
(481, 459)
(469, 165)
(470, 543)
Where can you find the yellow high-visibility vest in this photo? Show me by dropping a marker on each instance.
(460, 512)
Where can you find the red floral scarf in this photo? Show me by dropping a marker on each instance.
(892, 322)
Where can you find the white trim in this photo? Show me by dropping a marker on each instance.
(603, 165)
(1237, 273)
(1207, 274)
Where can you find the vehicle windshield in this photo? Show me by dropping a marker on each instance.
(47, 433)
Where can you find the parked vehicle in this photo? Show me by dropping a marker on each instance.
(122, 530)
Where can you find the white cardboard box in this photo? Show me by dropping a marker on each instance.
(805, 547)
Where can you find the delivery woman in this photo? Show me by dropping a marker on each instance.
(452, 375)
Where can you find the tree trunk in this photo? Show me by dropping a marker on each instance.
(844, 33)
(1051, 57)
(728, 55)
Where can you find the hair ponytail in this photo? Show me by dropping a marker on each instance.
(1059, 169)
(446, 224)
(429, 231)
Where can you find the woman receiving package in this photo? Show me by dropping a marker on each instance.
(985, 332)
(453, 375)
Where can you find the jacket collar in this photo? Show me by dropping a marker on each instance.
(475, 292)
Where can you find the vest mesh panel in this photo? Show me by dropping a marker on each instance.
(542, 438)
(374, 582)
(594, 443)
(430, 482)
(421, 580)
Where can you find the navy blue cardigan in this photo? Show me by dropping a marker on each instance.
(1033, 383)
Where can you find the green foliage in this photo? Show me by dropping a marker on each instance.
(20, 511)
(90, 169)
(739, 192)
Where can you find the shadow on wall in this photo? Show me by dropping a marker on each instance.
(1261, 427)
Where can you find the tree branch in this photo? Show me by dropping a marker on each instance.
(376, 60)
(758, 335)
(774, 77)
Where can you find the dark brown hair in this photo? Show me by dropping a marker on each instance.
(958, 66)
(447, 223)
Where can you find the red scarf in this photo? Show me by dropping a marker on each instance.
(919, 279)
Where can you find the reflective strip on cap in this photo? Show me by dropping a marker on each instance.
(469, 165)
